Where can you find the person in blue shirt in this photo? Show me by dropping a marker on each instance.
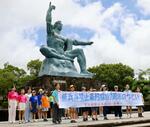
(56, 110)
(39, 104)
(33, 104)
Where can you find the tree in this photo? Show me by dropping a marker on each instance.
(10, 75)
(113, 74)
(143, 73)
(34, 67)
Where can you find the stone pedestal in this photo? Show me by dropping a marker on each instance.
(59, 67)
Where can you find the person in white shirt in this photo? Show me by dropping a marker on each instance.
(27, 110)
(128, 108)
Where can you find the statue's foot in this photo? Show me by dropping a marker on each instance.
(87, 73)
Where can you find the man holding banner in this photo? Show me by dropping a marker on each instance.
(56, 106)
(118, 110)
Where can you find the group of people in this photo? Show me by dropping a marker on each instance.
(31, 104)
(28, 104)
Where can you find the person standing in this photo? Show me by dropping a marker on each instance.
(140, 108)
(73, 111)
(34, 105)
(105, 108)
(118, 109)
(101, 107)
(27, 110)
(22, 99)
(40, 113)
(12, 105)
(56, 110)
(94, 110)
(51, 99)
(128, 108)
(45, 105)
(84, 109)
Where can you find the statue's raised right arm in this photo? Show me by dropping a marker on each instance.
(49, 18)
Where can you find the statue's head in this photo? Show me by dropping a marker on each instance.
(58, 25)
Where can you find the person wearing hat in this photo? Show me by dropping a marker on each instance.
(40, 94)
(73, 111)
(118, 110)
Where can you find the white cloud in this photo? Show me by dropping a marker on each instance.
(26, 15)
(144, 6)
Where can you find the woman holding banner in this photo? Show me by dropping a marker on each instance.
(94, 110)
(105, 108)
(140, 108)
(73, 111)
(84, 109)
(128, 108)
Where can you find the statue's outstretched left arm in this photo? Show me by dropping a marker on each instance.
(75, 42)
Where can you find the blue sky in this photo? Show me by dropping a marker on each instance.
(86, 34)
(120, 30)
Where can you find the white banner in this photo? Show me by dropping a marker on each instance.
(96, 99)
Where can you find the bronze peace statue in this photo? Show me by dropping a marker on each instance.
(59, 53)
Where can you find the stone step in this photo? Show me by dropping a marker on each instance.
(136, 125)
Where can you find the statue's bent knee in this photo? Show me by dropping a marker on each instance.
(45, 51)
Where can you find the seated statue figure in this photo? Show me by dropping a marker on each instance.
(59, 52)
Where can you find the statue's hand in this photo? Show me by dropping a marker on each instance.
(90, 43)
(52, 7)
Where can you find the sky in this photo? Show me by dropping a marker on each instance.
(120, 30)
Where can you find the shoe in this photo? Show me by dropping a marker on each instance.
(93, 119)
(20, 122)
(84, 119)
(72, 121)
(59, 122)
(45, 120)
(105, 118)
(54, 122)
(96, 119)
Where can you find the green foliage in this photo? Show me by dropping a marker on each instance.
(34, 67)
(113, 74)
(10, 75)
(142, 73)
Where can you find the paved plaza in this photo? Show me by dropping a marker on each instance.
(112, 122)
